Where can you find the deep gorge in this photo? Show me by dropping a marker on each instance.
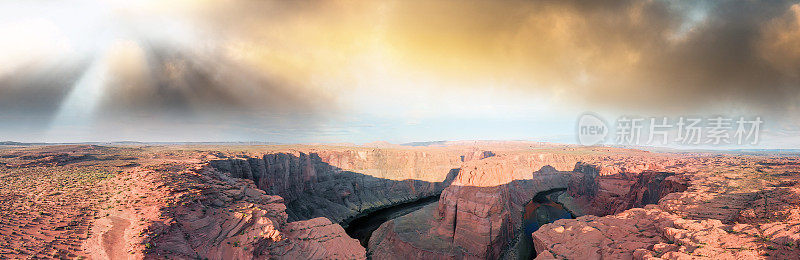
(542, 209)
(312, 187)
(361, 227)
(490, 210)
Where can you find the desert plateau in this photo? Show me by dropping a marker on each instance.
(455, 200)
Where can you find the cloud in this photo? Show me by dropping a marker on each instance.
(652, 55)
(302, 63)
(779, 43)
(146, 62)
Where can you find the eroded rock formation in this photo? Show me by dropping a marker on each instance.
(593, 191)
(478, 215)
(650, 187)
(342, 184)
(204, 214)
(732, 209)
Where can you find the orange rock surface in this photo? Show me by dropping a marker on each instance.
(734, 208)
(287, 202)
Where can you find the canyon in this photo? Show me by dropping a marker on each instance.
(451, 200)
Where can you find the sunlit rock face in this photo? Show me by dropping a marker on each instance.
(482, 220)
(600, 195)
(477, 215)
(709, 214)
(142, 203)
(481, 214)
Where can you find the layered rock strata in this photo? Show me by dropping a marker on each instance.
(199, 213)
(732, 209)
(603, 195)
(478, 215)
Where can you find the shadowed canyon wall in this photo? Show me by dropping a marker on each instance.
(483, 193)
(316, 184)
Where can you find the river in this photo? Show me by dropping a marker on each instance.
(361, 228)
(539, 211)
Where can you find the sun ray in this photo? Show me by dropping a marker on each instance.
(79, 107)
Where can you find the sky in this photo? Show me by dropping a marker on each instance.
(397, 71)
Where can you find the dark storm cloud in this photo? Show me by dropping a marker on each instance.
(659, 55)
(38, 90)
(183, 84)
(719, 60)
(665, 56)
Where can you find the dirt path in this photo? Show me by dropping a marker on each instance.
(113, 240)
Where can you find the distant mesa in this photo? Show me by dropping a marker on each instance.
(11, 143)
(381, 144)
(428, 143)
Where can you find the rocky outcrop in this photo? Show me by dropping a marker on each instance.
(410, 237)
(618, 167)
(591, 193)
(651, 187)
(203, 214)
(477, 155)
(316, 238)
(584, 181)
(477, 215)
(482, 220)
(732, 209)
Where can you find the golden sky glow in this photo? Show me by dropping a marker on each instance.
(325, 70)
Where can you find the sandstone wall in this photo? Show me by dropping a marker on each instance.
(482, 220)
(203, 214)
(478, 214)
(734, 208)
(342, 184)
